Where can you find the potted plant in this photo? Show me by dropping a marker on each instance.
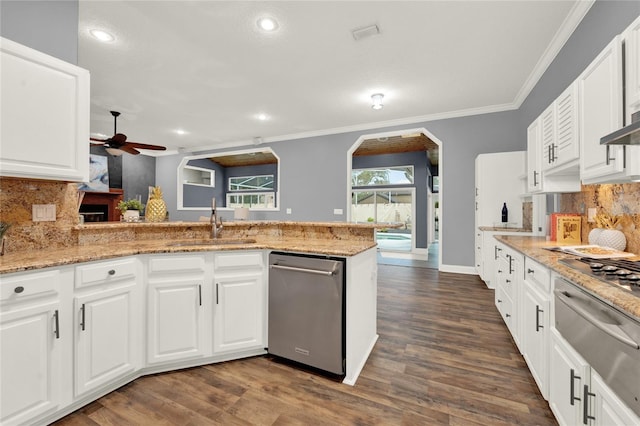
(130, 209)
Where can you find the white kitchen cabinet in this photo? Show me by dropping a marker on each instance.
(498, 182)
(178, 308)
(508, 288)
(568, 374)
(605, 407)
(600, 87)
(33, 335)
(490, 253)
(107, 323)
(45, 116)
(560, 141)
(240, 297)
(534, 157)
(535, 318)
(631, 38)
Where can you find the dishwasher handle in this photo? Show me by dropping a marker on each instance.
(309, 271)
(611, 330)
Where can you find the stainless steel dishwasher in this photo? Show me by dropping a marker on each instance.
(307, 310)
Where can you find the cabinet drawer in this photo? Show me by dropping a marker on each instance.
(105, 272)
(176, 263)
(235, 261)
(537, 274)
(23, 286)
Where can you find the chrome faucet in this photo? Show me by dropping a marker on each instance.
(216, 222)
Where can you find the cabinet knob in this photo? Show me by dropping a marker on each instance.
(18, 289)
(530, 271)
(112, 272)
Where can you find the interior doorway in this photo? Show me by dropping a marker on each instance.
(387, 201)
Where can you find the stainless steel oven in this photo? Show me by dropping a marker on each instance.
(607, 338)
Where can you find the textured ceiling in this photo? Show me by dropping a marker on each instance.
(205, 68)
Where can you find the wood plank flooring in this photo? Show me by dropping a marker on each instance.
(444, 357)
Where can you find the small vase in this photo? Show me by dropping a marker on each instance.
(612, 238)
(131, 216)
(594, 235)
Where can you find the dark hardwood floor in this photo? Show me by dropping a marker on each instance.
(444, 357)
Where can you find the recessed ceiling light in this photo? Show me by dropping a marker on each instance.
(262, 117)
(267, 24)
(180, 132)
(102, 35)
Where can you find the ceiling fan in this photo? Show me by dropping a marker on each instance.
(117, 144)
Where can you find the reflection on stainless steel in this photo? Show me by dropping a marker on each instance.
(606, 338)
(619, 272)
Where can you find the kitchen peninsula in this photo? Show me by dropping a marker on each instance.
(167, 296)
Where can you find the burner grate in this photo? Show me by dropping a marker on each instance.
(630, 265)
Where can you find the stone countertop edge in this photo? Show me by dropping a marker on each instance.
(533, 247)
(503, 229)
(239, 223)
(38, 259)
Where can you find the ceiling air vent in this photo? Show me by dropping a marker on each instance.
(364, 32)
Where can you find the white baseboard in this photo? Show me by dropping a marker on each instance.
(458, 269)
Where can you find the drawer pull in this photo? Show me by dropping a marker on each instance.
(112, 272)
(530, 271)
(57, 324)
(82, 324)
(19, 289)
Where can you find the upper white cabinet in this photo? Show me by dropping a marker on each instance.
(553, 149)
(600, 87)
(631, 40)
(44, 115)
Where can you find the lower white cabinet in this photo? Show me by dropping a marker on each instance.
(178, 308)
(578, 395)
(239, 301)
(535, 320)
(32, 336)
(508, 288)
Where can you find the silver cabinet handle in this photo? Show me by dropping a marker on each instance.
(57, 324)
(538, 312)
(535, 178)
(199, 294)
(82, 317)
(310, 271)
(217, 293)
(572, 378)
(609, 158)
(585, 407)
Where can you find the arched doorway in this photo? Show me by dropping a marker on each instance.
(391, 178)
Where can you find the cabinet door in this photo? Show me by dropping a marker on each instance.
(534, 157)
(548, 137)
(632, 68)
(54, 95)
(567, 147)
(107, 337)
(600, 99)
(176, 321)
(238, 312)
(568, 373)
(608, 410)
(535, 316)
(30, 363)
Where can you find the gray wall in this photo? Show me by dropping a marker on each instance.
(138, 174)
(48, 26)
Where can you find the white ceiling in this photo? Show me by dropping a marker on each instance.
(205, 67)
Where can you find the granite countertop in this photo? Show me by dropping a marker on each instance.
(235, 224)
(502, 229)
(533, 247)
(36, 259)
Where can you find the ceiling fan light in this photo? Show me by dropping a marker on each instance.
(267, 24)
(114, 151)
(376, 101)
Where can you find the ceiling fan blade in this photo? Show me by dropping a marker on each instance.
(129, 149)
(97, 140)
(146, 146)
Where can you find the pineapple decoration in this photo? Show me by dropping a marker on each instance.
(156, 208)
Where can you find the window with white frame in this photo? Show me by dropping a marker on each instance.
(256, 200)
(200, 176)
(251, 183)
(379, 176)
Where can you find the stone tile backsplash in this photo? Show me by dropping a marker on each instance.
(614, 199)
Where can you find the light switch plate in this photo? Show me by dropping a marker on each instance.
(43, 212)
(289, 211)
(337, 211)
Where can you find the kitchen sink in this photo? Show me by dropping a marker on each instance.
(212, 242)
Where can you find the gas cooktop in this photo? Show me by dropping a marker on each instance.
(622, 273)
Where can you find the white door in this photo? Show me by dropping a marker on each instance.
(238, 312)
(600, 98)
(176, 327)
(30, 365)
(107, 339)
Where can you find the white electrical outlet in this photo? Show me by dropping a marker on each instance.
(337, 211)
(288, 211)
(591, 214)
(43, 212)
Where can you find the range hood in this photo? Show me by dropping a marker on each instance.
(628, 135)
